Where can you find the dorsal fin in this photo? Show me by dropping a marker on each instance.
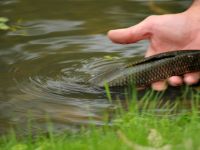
(159, 57)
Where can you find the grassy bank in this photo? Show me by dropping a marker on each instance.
(132, 129)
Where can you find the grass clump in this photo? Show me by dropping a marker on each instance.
(140, 127)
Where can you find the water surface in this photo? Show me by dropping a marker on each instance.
(45, 64)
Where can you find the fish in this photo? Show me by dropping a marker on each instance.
(148, 70)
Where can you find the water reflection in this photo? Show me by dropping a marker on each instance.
(42, 27)
(45, 65)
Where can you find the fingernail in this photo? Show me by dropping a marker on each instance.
(191, 78)
(159, 86)
(175, 81)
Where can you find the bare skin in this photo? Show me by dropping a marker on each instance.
(166, 33)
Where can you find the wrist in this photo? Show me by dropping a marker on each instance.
(194, 9)
(196, 2)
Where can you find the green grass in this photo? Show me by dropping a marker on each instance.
(131, 130)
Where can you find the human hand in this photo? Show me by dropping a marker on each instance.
(165, 33)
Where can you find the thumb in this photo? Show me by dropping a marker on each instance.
(132, 34)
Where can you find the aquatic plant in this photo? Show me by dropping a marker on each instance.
(3, 23)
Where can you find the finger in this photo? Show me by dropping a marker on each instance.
(192, 78)
(132, 34)
(159, 86)
(175, 81)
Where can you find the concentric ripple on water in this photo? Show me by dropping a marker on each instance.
(56, 48)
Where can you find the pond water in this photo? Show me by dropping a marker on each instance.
(44, 64)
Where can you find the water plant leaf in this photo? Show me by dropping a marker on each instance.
(108, 57)
(3, 26)
(3, 19)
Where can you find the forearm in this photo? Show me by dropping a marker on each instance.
(195, 4)
(196, 1)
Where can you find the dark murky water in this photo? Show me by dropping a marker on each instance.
(45, 64)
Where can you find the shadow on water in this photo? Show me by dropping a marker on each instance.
(46, 63)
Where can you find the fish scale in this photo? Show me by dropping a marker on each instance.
(151, 69)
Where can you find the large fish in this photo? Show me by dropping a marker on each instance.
(151, 69)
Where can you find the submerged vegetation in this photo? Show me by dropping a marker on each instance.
(3, 23)
(147, 124)
(5, 26)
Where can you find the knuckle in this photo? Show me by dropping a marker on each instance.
(152, 21)
(151, 18)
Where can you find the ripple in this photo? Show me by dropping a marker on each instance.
(42, 27)
(46, 64)
(89, 43)
(65, 97)
(8, 2)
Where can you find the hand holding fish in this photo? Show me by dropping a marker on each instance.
(166, 33)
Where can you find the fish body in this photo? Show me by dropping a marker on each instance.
(144, 72)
